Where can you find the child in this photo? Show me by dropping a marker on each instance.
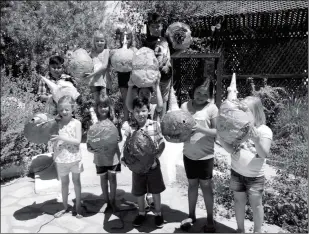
(199, 151)
(99, 80)
(153, 40)
(155, 109)
(152, 181)
(55, 73)
(124, 77)
(248, 167)
(107, 165)
(67, 153)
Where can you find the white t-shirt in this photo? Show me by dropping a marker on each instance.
(200, 146)
(246, 161)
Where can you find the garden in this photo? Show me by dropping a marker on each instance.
(66, 25)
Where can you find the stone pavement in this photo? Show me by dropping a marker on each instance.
(24, 210)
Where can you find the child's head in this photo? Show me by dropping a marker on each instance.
(202, 91)
(56, 66)
(99, 41)
(155, 25)
(130, 37)
(141, 109)
(145, 92)
(104, 108)
(256, 107)
(65, 107)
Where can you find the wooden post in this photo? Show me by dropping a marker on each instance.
(219, 81)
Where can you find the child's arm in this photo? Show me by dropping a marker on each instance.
(71, 140)
(159, 106)
(102, 69)
(229, 148)
(129, 98)
(212, 131)
(161, 148)
(262, 144)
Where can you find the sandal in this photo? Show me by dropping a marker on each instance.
(186, 224)
(210, 229)
(79, 216)
(60, 213)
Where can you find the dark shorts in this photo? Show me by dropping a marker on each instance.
(250, 185)
(101, 170)
(151, 182)
(123, 79)
(198, 169)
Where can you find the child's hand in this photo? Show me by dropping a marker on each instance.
(123, 162)
(130, 83)
(56, 138)
(254, 134)
(88, 75)
(165, 69)
(196, 128)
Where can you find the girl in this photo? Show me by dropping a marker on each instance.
(67, 153)
(99, 80)
(248, 167)
(124, 77)
(199, 151)
(107, 164)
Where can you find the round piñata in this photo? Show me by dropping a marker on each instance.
(180, 35)
(39, 128)
(139, 152)
(79, 62)
(145, 68)
(103, 135)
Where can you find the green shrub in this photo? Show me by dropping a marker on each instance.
(17, 106)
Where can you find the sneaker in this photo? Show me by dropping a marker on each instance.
(147, 208)
(138, 221)
(159, 221)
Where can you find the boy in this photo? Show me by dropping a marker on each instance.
(152, 181)
(159, 44)
(55, 73)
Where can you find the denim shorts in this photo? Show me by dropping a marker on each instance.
(64, 169)
(250, 185)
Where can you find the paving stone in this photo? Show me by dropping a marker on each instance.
(8, 201)
(52, 229)
(10, 210)
(96, 219)
(71, 223)
(93, 229)
(23, 192)
(5, 224)
(27, 201)
(20, 231)
(30, 223)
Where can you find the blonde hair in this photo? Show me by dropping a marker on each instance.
(67, 99)
(98, 33)
(256, 107)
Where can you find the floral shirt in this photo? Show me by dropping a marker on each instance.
(65, 152)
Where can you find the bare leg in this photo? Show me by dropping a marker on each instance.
(192, 196)
(65, 181)
(240, 199)
(157, 202)
(113, 187)
(207, 189)
(104, 186)
(123, 92)
(255, 199)
(141, 204)
(78, 192)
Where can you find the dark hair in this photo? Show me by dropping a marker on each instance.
(202, 81)
(154, 18)
(106, 101)
(150, 89)
(56, 60)
(140, 102)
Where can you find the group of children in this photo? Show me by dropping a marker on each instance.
(148, 105)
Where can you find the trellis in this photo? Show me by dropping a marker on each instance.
(265, 40)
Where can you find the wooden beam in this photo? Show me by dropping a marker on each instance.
(268, 76)
(199, 55)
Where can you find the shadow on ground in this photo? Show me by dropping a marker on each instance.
(198, 227)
